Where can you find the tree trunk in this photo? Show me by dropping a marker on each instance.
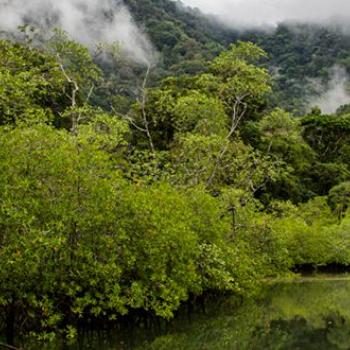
(10, 325)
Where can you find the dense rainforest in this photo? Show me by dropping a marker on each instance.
(128, 189)
(299, 54)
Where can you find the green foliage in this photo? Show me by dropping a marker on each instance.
(299, 54)
(75, 59)
(72, 229)
(240, 83)
(31, 85)
(195, 188)
(200, 114)
(281, 138)
(195, 160)
(55, 195)
(185, 39)
(339, 198)
(328, 135)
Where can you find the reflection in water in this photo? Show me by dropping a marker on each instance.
(305, 316)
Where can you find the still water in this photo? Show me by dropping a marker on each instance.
(307, 314)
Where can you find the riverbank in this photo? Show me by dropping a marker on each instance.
(291, 313)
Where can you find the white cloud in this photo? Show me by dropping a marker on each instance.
(85, 20)
(335, 94)
(255, 13)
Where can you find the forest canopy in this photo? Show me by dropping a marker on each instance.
(118, 198)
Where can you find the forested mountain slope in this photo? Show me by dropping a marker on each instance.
(185, 37)
(298, 53)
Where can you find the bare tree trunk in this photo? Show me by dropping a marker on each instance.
(235, 120)
(8, 346)
(73, 98)
(10, 324)
(144, 113)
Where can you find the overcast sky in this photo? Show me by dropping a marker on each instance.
(270, 12)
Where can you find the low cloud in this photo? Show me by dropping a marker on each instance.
(335, 94)
(87, 21)
(260, 13)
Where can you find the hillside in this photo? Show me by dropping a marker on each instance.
(302, 55)
(185, 37)
(298, 53)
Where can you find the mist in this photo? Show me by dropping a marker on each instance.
(268, 13)
(335, 94)
(88, 21)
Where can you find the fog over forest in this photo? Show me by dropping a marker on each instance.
(85, 21)
(256, 13)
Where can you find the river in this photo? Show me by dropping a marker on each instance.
(306, 314)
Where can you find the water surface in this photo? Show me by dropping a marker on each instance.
(307, 314)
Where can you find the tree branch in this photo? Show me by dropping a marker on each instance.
(143, 108)
(73, 97)
(7, 346)
(235, 120)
